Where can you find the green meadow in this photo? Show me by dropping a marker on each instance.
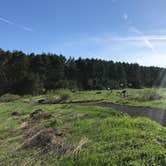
(154, 98)
(89, 135)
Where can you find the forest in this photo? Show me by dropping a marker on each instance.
(22, 73)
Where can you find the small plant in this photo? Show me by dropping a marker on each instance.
(64, 97)
(64, 94)
(50, 123)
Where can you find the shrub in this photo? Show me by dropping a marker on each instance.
(64, 94)
(9, 97)
(64, 97)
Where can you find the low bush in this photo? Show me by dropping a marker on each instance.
(9, 97)
(64, 97)
(64, 94)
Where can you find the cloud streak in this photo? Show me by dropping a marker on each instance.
(26, 28)
(140, 33)
(144, 38)
(6, 21)
(147, 39)
(23, 27)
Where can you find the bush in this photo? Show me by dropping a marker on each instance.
(64, 97)
(57, 96)
(9, 97)
(64, 94)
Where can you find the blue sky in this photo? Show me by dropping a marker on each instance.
(119, 30)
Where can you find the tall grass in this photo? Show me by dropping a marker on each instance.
(145, 95)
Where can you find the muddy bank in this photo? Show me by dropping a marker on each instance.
(157, 115)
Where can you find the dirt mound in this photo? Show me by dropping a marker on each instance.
(36, 136)
(46, 138)
(40, 114)
(23, 126)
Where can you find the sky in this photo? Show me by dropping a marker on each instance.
(120, 30)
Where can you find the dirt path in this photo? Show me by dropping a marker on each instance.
(157, 115)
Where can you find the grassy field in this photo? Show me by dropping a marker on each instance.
(84, 135)
(154, 98)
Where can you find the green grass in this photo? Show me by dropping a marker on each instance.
(154, 98)
(100, 136)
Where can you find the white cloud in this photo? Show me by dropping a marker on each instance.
(130, 38)
(145, 50)
(152, 60)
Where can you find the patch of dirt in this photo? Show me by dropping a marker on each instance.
(36, 136)
(46, 138)
(23, 126)
(39, 114)
(15, 113)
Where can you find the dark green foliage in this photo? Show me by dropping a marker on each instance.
(32, 74)
(30, 84)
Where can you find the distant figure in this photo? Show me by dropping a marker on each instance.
(123, 93)
(122, 85)
(109, 89)
(41, 101)
(130, 85)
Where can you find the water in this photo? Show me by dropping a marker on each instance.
(157, 115)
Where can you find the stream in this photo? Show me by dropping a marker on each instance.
(157, 115)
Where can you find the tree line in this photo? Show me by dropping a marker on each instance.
(22, 73)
